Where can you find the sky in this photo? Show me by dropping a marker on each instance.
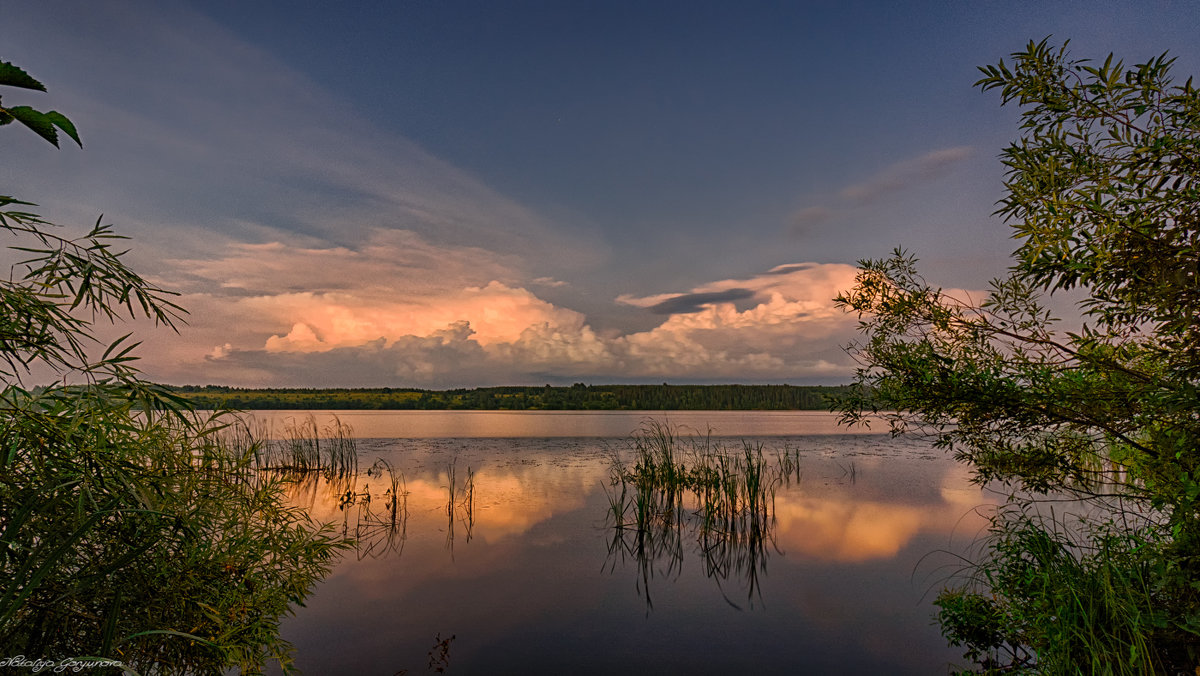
(459, 194)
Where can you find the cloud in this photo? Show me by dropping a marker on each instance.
(695, 302)
(905, 174)
(895, 178)
(793, 331)
(221, 141)
(790, 268)
(810, 216)
(414, 313)
(313, 248)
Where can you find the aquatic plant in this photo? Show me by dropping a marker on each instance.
(377, 533)
(301, 447)
(460, 502)
(681, 486)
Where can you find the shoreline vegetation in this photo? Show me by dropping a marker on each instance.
(517, 398)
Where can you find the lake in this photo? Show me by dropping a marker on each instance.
(503, 538)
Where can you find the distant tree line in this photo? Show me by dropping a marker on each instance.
(514, 398)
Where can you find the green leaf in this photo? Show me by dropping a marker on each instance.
(59, 120)
(13, 76)
(38, 122)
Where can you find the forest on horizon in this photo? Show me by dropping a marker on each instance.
(518, 398)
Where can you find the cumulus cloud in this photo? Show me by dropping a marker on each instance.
(793, 330)
(400, 310)
(386, 314)
(313, 248)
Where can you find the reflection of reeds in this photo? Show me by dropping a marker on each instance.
(689, 485)
(385, 532)
(317, 462)
(460, 502)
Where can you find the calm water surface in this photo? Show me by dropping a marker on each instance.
(532, 577)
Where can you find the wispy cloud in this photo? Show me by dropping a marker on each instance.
(905, 174)
(695, 302)
(810, 216)
(222, 141)
(896, 178)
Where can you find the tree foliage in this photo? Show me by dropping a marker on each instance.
(48, 124)
(128, 528)
(1103, 197)
(518, 398)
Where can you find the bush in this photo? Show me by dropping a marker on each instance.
(128, 528)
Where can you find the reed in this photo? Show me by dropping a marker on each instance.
(317, 463)
(301, 447)
(185, 535)
(378, 533)
(460, 502)
(682, 487)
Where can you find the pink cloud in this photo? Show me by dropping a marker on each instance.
(402, 310)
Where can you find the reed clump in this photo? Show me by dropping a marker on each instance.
(460, 502)
(314, 460)
(301, 447)
(144, 536)
(682, 488)
(380, 527)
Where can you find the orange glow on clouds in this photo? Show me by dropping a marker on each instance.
(842, 528)
(495, 313)
(403, 310)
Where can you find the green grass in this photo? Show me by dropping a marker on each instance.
(1057, 595)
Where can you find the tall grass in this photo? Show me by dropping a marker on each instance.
(302, 446)
(1066, 595)
(687, 487)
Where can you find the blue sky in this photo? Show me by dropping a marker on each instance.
(471, 193)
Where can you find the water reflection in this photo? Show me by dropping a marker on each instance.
(721, 502)
(733, 509)
(528, 552)
(460, 503)
(557, 424)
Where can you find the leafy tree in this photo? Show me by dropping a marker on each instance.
(1103, 195)
(130, 527)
